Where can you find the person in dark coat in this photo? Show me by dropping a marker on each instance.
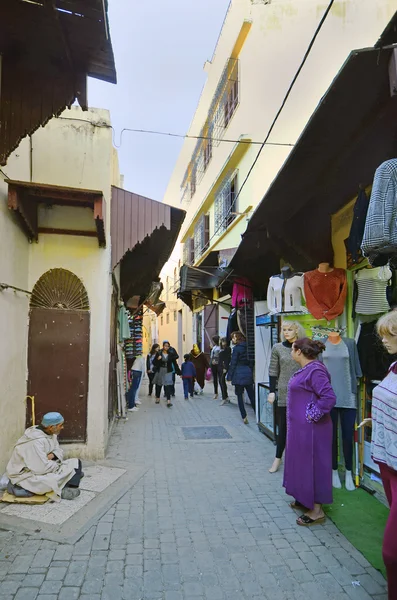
(225, 356)
(164, 366)
(188, 377)
(240, 373)
(201, 364)
(149, 366)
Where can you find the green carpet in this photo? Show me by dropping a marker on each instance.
(362, 519)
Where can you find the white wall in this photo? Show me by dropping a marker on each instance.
(279, 37)
(76, 153)
(14, 306)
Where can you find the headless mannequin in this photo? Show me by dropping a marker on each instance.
(335, 338)
(325, 268)
(290, 335)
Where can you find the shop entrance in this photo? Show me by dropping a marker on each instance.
(58, 351)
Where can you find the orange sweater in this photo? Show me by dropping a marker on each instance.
(325, 293)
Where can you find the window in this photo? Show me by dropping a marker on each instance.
(188, 252)
(207, 152)
(167, 318)
(175, 315)
(225, 203)
(231, 98)
(193, 181)
(201, 235)
(162, 320)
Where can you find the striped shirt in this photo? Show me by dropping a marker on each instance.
(384, 420)
(372, 284)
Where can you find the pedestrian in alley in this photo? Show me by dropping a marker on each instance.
(308, 460)
(188, 377)
(240, 373)
(225, 356)
(201, 365)
(164, 365)
(384, 444)
(214, 363)
(175, 357)
(149, 366)
(134, 377)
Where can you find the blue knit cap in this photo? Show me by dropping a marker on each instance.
(165, 342)
(52, 418)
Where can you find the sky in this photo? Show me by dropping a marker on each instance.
(160, 48)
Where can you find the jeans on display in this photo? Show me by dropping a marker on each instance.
(188, 387)
(389, 479)
(131, 394)
(347, 418)
(240, 397)
(281, 438)
(223, 385)
(215, 374)
(151, 384)
(167, 391)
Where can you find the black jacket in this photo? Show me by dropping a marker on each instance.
(171, 363)
(225, 356)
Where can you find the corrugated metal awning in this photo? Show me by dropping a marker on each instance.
(143, 235)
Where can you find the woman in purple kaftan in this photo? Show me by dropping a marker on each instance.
(308, 462)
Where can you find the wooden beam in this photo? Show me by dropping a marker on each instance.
(53, 230)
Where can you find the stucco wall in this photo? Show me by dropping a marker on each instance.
(279, 37)
(76, 150)
(14, 306)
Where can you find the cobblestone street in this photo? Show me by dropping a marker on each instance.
(205, 522)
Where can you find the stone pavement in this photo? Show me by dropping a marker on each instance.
(206, 522)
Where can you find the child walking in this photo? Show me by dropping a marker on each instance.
(188, 377)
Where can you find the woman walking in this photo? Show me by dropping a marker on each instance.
(282, 367)
(214, 364)
(308, 462)
(164, 366)
(384, 445)
(240, 373)
(201, 364)
(225, 356)
(149, 366)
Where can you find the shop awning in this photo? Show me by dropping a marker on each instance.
(143, 235)
(25, 199)
(196, 280)
(48, 49)
(352, 131)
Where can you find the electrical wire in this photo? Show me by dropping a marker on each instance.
(169, 134)
(265, 141)
(298, 72)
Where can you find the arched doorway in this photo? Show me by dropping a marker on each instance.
(58, 351)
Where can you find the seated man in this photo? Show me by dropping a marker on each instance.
(37, 467)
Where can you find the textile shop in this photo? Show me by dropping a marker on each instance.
(321, 252)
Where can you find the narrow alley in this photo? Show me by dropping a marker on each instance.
(204, 521)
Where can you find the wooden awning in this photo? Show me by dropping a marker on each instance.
(48, 49)
(24, 199)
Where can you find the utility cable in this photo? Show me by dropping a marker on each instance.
(265, 141)
(306, 55)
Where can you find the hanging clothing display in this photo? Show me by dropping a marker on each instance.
(285, 294)
(124, 325)
(242, 292)
(371, 287)
(134, 345)
(380, 233)
(343, 364)
(355, 238)
(374, 359)
(325, 293)
(232, 324)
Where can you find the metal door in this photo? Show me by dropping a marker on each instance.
(210, 325)
(58, 351)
